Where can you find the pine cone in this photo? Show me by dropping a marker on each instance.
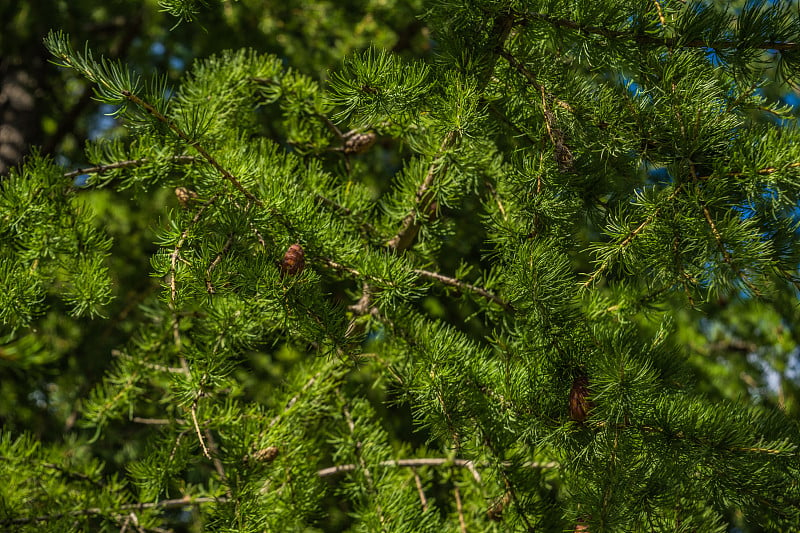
(294, 260)
(266, 455)
(356, 142)
(579, 402)
(495, 511)
(185, 196)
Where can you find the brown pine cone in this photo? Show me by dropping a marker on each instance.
(294, 260)
(185, 196)
(356, 142)
(579, 402)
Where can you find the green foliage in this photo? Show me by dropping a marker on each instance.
(537, 273)
(55, 246)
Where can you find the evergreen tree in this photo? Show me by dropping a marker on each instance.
(543, 276)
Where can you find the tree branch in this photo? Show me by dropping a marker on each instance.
(464, 286)
(460, 509)
(193, 412)
(672, 42)
(129, 30)
(725, 254)
(361, 462)
(418, 482)
(173, 284)
(163, 504)
(325, 472)
(155, 366)
(629, 238)
(191, 142)
(99, 169)
(561, 152)
(407, 463)
(410, 225)
(215, 262)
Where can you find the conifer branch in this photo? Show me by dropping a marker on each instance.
(464, 286)
(411, 223)
(366, 227)
(672, 42)
(363, 304)
(126, 387)
(491, 393)
(334, 372)
(188, 159)
(128, 29)
(684, 276)
(418, 482)
(173, 288)
(337, 266)
(323, 473)
(531, 77)
(69, 473)
(331, 126)
(215, 262)
(629, 238)
(218, 466)
(193, 411)
(726, 256)
(361, 462)
(100, 169)
(148, 364)
(432, 461)
(791, 278)
(497, 200)
(510, 493)
(191, 142)
(294, 398)
(762, 171)
(175, 445)
(421, 462)
(695, 439)
(561, 151)
(173, 282)
(163, 504)
(459, 509)
(156, 421)
(451, 426)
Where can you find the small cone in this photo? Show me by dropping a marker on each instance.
(356, 142)
(579, 402)
(185, 196)
(294, 260)
(266, 455)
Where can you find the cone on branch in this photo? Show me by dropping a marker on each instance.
(186, 197)
(579, 402)
(495, 511)
(294, 260)
(356, 142)
(266, 455)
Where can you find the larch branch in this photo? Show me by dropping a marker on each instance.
(672, 42)
(629, 238)
(227, 246)
(464, 286)
(191, 142)
(100, 169)
(411, 223)
(725, 254)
